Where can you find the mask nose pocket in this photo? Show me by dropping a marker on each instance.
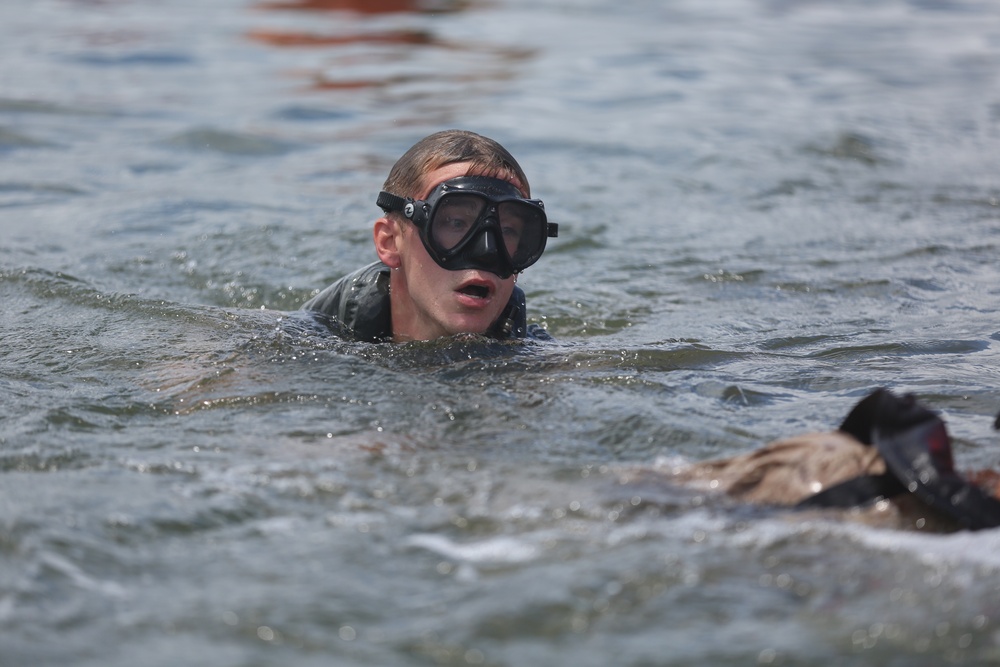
(484, 247)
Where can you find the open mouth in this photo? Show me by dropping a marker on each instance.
(477, 291)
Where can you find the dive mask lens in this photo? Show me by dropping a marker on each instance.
(524, 229)
(453, 218)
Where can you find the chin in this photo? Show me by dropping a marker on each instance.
(471, 325)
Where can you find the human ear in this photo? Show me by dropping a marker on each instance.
(386, 234)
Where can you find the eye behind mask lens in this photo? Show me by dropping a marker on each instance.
(524, 231)
(454, 219)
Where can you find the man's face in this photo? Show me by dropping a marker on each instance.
(429, 301)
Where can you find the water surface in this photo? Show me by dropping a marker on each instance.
(766, 210)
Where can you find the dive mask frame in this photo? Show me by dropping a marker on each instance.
(483, 245)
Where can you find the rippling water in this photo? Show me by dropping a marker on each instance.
(766, 209)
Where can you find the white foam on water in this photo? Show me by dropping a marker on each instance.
(494, 550)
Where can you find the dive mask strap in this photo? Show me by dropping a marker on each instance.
(391, 203)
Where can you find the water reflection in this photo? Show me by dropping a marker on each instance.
(368, 6)
(365, 56)
(293, 39)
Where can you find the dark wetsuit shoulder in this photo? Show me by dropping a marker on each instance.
(357, 305)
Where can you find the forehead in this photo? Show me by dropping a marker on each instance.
(436, 177)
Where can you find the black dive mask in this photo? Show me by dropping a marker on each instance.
(477, 222)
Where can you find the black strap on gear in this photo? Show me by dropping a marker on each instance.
(913, 441)
(855, 492)
(917, 458)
